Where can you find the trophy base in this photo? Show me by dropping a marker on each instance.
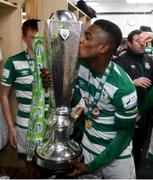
(56, 167)
(48, 156)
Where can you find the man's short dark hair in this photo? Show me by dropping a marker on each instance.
(145, 28)
(133, 33)
(113, 31)
(30, 24)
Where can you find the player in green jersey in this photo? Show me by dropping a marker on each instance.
(109, 100)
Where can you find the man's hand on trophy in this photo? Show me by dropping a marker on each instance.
(46, 78)
(77, 112)
(79, 169)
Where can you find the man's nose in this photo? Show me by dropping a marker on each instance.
(142, 43)
(81, 40)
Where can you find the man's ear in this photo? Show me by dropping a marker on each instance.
(24, 39)
(129, 44)
(103, 48)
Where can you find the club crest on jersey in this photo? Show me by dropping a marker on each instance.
(147, 65)
(133, 66)
(105, 97)
(24, 72)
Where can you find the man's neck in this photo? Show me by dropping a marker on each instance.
(100, 65)
(30, 53)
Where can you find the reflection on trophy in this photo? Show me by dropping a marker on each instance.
(62, 33)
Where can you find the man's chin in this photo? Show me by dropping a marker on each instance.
(142, 52)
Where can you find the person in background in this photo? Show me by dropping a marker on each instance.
(139, 66)
(109, 99)
(122, 47)
(18, 75)
(147, 105)
(144, 38)
(149, 48)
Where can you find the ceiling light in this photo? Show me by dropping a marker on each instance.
(139, 1)
(92, 3)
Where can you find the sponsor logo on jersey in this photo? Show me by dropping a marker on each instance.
(130, 100)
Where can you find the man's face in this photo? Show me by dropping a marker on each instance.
(90, 43)
(136, 46)
(29, 37)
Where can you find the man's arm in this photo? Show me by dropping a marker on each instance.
(5, 94)
(125, 123)
(145, 37)
(121, 141)
(125, 102)
(125, 130)
(142, 82)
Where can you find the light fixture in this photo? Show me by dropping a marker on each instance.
(92, 2)
(139, 1)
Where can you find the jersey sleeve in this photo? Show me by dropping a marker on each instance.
(125, 102)
(8, 74)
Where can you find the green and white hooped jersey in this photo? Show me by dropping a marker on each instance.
(118, 100)
(18, 74)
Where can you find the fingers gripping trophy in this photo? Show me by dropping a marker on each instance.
(62, 33)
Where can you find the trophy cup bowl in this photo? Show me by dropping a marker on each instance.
(62, 33)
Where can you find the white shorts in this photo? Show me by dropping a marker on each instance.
(118, 169)
(21, 139)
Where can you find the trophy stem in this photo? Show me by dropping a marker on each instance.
(61, 125)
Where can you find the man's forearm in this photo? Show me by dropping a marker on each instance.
(145, 37)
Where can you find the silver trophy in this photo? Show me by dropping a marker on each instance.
(62, 33)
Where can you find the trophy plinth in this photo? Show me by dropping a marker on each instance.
(55, 153)
(62, 35)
